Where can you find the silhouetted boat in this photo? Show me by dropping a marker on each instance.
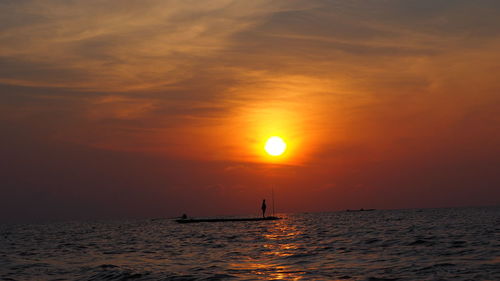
(360, 210)
(226, 219)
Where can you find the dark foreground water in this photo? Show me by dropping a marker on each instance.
(432, 244)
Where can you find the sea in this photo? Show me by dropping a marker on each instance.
(413, 244)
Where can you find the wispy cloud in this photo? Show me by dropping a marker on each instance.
(118, 46)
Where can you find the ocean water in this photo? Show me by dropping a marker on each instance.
(429, 244)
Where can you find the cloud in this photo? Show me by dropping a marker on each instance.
(119, 47)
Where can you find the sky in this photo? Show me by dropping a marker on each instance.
(154, 108)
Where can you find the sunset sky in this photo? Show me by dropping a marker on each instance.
(156, 108)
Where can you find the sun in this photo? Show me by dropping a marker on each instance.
(275, 146)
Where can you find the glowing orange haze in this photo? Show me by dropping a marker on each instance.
(168, 104)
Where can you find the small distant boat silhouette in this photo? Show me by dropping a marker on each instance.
(193, 220)
(360, 210)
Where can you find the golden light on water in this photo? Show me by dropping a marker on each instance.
(275, 146)
(279, 240)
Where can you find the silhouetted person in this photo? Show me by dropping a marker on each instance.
(263, 208)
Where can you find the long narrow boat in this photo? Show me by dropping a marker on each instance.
(360, 210)
(226, 219)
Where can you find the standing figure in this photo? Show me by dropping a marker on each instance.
(263, 208)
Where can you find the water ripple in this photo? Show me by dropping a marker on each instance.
(433, 244)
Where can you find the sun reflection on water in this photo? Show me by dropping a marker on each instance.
(280, 240)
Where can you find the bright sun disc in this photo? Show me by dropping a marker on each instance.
(275, 146)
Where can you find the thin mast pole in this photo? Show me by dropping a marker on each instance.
(272, 193)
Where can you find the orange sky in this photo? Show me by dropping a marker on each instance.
(388, 104)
